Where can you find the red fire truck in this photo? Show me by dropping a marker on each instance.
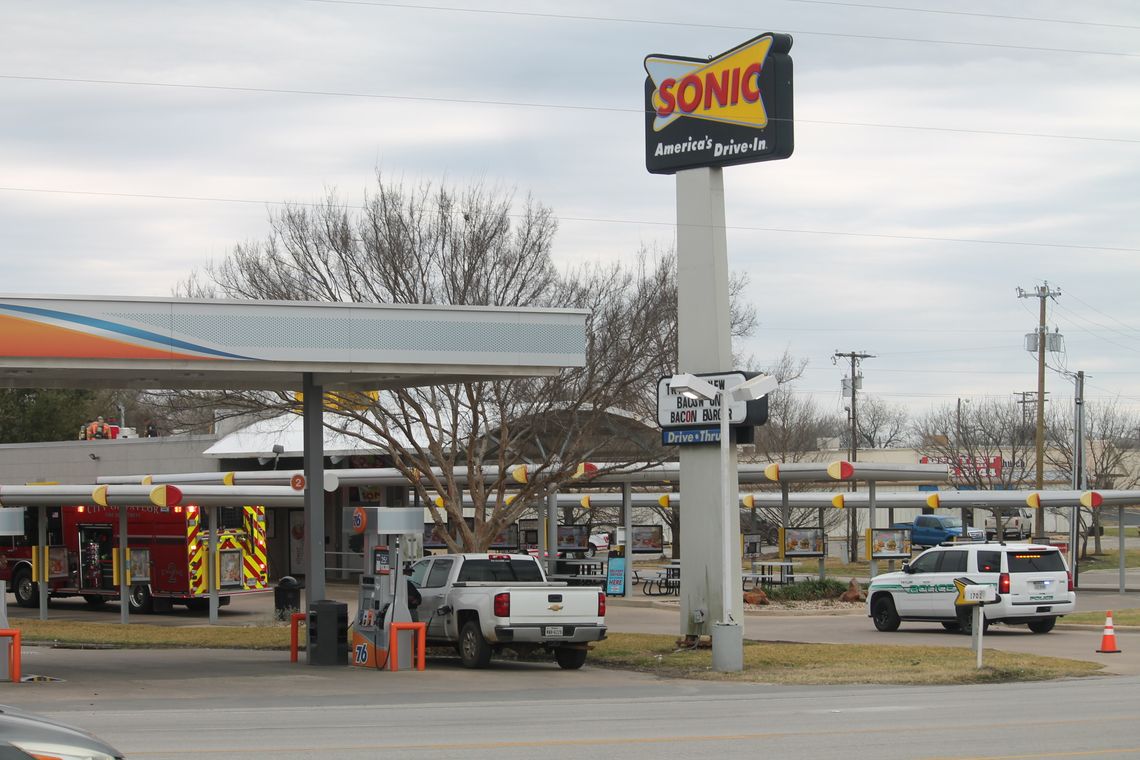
(166, 559)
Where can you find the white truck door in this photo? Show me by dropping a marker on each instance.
(917, 585)
(433, 592)
(944, 593)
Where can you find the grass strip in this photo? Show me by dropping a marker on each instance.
(1119, 617)
(155, 636)
(803, 664)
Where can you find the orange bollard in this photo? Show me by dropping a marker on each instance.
(14, 653)
(1108, 640)
(294, 620)
(418, 643)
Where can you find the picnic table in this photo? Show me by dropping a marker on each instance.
(579, 572)
(767, 573)
(666, 582)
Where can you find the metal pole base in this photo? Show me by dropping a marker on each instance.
(727, 647)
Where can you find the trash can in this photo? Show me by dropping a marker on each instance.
(287, 597)
(328, 633)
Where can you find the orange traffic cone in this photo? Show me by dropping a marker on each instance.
(1108, 641)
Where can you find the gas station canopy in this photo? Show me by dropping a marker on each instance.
(93, 342)
(157, 343)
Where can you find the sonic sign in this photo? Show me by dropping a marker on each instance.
(735, 108)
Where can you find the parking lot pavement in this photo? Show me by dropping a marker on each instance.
(184, 679)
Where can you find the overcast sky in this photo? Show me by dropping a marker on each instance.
(946, 154)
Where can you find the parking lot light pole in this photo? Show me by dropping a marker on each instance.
(727, 633)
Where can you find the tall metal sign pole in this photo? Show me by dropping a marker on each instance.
(702, 114)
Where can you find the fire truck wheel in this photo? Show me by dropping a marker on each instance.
(94, 600)
(27, 593)
(141, 600)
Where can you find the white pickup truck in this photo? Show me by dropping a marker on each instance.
(481, 603)
(1015, 523)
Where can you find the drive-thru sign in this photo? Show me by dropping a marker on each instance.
(686, 421)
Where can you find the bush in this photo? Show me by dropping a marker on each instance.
(807, 591)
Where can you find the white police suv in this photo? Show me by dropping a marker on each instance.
(1033, 584)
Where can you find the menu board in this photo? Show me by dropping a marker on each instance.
(434, 536)
(648, 539)
(573, 538)
(802, 542)
(888, 543)
(508, 537)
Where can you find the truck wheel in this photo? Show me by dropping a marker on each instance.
(1043, 626)
(94, 601)
(27, 593)
(591, 551)
(950, 625)
(141, 600)
(884, 614)
(474, 650)
(569, 658)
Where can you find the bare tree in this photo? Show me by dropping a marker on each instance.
(436, 245)
(987, 444)
(795, 422)
(792, 433)
(882, 425)
(1107, 457)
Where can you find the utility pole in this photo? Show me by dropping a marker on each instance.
(1078, 470)
(1042, 293)
(1026, 398)
(854, 357)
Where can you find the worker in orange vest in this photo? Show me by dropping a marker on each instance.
(98, 429)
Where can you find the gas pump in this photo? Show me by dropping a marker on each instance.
(382, 598)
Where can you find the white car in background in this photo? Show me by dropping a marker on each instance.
(599, 544)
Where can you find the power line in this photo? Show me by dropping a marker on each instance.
(1103, 314)
(1098, 336)
(733, 27)
(547, 106)
(604, 220)
(999, 16)
(987, 330)
(905, 394)
(979, 371)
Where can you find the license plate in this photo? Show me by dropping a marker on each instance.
(553, 630)
(1042, 584)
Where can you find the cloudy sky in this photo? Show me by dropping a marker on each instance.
(947, 153)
